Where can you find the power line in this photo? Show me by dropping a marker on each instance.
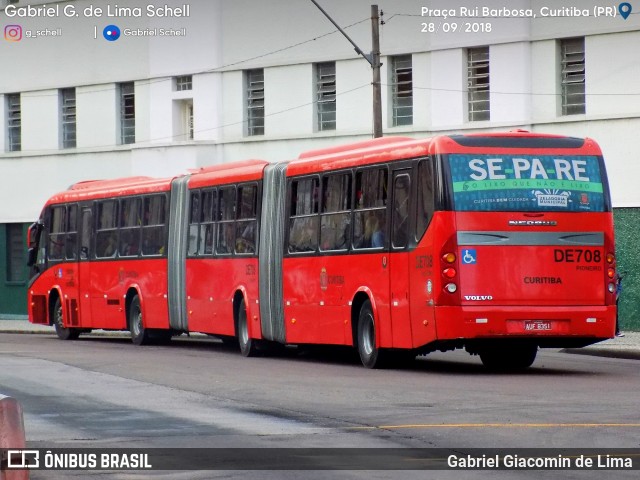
(171, 137)
(221, 68)
(531, 94)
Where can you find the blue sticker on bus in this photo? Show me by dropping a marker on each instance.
(469, 256)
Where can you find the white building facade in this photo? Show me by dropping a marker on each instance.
(269, 79)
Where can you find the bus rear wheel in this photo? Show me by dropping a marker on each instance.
(139, 334)
(370, 355)
(509, 358)
(248, 345)
(58, 322)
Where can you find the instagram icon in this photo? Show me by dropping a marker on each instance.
(13, 33)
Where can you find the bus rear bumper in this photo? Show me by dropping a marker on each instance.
(545, 326)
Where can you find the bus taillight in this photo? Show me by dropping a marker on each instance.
(611, 258)
(449, 257)
(451, 287)
(611, 273)
(449, 272)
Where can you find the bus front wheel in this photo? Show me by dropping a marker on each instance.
(248, 345)
(509, 358)
(370, 355)
(139, 334)
(58, 322)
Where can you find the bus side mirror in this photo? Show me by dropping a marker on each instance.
(32, 234)
(32, 255)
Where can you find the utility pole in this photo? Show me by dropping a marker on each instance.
(375, 65)
(374, 60)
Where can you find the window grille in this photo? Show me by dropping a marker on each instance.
(127, 113)
(14, 122)
(68, 117)
(402, 90)
(184, 82)
(255, 102)
(326, 95)
(189, 120)
(478, 84)
(573, 76)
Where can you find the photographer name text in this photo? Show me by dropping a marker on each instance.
(91, 11)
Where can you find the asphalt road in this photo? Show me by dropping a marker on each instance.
(105, 392)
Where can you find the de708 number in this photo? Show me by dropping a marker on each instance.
(576, 255)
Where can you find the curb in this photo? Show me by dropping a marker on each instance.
(11, 434)
(605, 352)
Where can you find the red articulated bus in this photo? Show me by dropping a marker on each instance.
(498, 243)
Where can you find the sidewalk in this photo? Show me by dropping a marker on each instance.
(619, 347)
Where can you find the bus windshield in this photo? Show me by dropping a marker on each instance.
(501, 182)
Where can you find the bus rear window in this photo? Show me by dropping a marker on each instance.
(526, 183)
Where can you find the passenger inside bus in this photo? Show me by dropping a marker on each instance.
(303, 235)
(334, 232)
(373, 234)
(108, 247)
(225, 244)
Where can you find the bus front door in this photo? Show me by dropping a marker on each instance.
(84, 267)
(399, 259)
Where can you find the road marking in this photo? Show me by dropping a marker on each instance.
(500, 425)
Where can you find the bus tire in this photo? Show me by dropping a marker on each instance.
(248, 346)
(370, 355)
(139, 334)
(58, 322)
(509, 359)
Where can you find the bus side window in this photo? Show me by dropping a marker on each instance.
(226, 215)
(247, 219)
(401, 190)
(370, 225)
(107, 234)
(303, 223)
(72, 232)
(335, 228)
(194, 216)
(57, 234)
(87, 233)
(207, 213)
(129, 227)
(426, 203)
(153, 225)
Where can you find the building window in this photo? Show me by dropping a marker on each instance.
(255, 101)
(478, 83)
(15, 253)
(189, 120)
(326, 95)
(127, 113)
(401, 90)
(183, 83)
(14, 123)
(68, 117)
(572, 67)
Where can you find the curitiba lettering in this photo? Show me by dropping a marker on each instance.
(545, 280)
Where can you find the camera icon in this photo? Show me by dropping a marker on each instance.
(13, 33)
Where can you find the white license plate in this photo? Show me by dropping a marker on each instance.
(537, 326)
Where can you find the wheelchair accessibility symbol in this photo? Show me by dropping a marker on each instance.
(468, 256)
